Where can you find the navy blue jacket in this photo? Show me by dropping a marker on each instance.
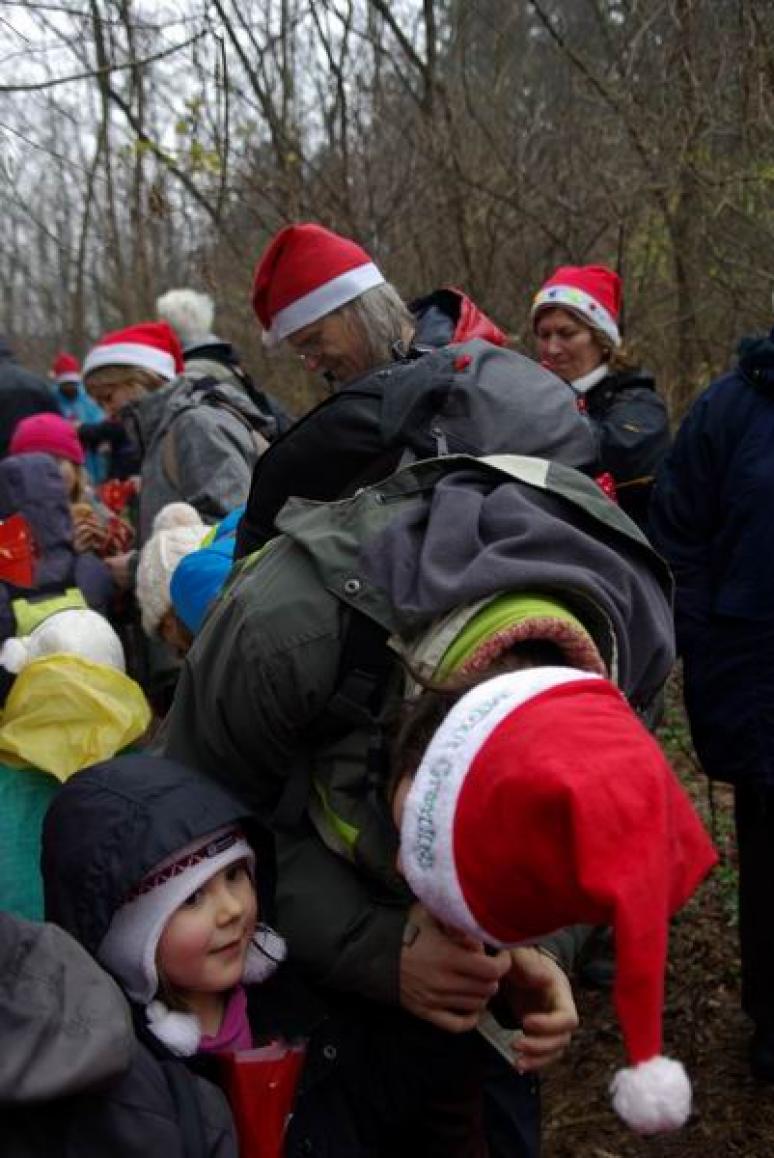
(712, 517)
(31, 485)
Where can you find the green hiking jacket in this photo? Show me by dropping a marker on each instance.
(252, 706)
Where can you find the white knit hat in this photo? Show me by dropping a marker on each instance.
(177, 531)
(69, 632)
(129, 947)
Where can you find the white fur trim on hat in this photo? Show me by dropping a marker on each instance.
(427, 825)
(188, 312)
(130, 354)
(323, 300)
(654, 1096)
(179, 1032)
(577, 301)
(69, 632)
(67, 376)
(177, 531)
(128, 949)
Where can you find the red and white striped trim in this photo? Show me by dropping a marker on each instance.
(131, 354)
(323, 300)
(427, 825)
(579, 302)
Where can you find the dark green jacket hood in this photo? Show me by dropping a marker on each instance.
(110, 824)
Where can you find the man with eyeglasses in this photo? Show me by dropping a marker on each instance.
(322, 296)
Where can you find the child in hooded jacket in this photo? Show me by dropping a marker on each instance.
(163, 877)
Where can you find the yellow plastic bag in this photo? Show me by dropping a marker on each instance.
(64, 713)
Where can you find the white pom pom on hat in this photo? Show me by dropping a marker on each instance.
(541, 802)
(72, 631)
(190, 313)
(14, 655)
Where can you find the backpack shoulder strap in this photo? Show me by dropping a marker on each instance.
(364, 668)
(205, 392)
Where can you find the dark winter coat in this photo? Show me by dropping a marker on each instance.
(263, 679)
(633, 426)
(66, 1032)
(32, 485)
(712, 517)
(21, 394)
(471, 398)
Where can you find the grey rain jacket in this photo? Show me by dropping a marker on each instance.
(66, 1031)
(200, 447)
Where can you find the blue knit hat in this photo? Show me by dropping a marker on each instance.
(199, 577)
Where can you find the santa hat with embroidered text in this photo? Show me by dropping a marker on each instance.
(541, 802)
(65, 368)
(593, 292)
(306, 272)
(152, 346)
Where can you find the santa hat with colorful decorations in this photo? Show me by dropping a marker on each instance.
(65, 368)
(129, 948)
(152, 346)
(593, 292)
(306, 272)
(540, 802)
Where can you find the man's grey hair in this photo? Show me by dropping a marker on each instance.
(383, 319)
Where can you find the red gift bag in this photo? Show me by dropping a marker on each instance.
(260, 1085)
(17, 554)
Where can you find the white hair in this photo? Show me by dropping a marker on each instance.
(188, 312)
(383, 319)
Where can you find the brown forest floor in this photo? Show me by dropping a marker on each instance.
(704, 1026)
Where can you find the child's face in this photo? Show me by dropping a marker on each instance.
(205, 941)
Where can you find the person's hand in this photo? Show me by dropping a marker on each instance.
(446, 978)
(538, 992)
(120, 568)
(87, 530)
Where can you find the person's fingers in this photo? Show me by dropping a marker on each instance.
(452, 1022)
(560, 1020)
(454, 999)
(539, 1046)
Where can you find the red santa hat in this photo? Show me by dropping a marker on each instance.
(306, 272)
(65, 368)
(152, 346)
(593, 292)
(542, 802)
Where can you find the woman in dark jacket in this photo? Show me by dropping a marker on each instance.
(575, 320)
(712, 518)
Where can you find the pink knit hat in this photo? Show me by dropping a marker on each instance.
(47, 434)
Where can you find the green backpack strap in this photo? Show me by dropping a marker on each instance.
(29, 614)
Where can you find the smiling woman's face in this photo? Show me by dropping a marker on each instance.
(565, 345)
